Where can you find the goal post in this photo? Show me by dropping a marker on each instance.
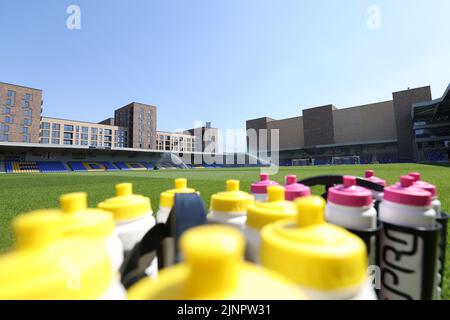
(302, 162)
(346, 160)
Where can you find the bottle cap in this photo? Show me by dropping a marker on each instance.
(167, 198)
(126, 205)
(276, 208)
(295, 190)
(260, 187)
(407, 194)
(232, 201)
(423, 185)
(349, 194)
(370, 175)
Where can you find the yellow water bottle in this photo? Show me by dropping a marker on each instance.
(325, 261)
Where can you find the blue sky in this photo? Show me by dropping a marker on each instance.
(223, 61)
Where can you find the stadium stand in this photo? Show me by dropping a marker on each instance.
(34, 166)
(135, 166)
(91, 166)
(24, 167)
(52, 166)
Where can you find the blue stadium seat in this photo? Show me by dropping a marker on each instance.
(51, 166)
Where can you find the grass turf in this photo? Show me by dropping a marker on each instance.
(25, 192)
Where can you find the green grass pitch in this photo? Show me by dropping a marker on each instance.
(21, 193)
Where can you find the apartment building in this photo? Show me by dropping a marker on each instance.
(20, 113)
(141, 121)
(80, 133)
(180, 142)
(133, 126)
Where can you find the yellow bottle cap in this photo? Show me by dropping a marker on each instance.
(313, 253)
(79, 220)
(126, 205)
(214, 269)
(276, 208)
(44, 265)
(233, 200)
(167, 197)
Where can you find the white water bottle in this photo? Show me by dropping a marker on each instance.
(134, 218)
(260, 214)
(409, 243)
(230, 207)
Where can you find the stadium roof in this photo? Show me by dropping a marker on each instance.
(434, 108)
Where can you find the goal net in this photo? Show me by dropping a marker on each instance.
(345, 160)
(302, 162)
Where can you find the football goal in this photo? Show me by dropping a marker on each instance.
(346, 160)
(302, 162)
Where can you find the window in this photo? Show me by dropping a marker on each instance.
(45, 133)
(94, 130)
(8, 119)
(108, 139)
(26, 104)
(56, 126)
(55, 141)
(29, 96)
(4, 128)
(27, 112)
(93, 143)
(78, 129)
(25, 138)
(108, 132)
(27, 122)
(55, 134)
(107, 144)
(68, 128)
(45, 125)
(4, 137)
(84, 136)
(24, 130)
(84, 129)
(6, 110)
(45, 140)
(67, 142)
(68, 136)
(94, 137)
(11, 98)
(84, 143)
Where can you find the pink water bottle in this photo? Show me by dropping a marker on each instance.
(442, 218)
(351, 206)
(370, 176)
(409, 243)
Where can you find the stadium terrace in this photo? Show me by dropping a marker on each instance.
(409, 128)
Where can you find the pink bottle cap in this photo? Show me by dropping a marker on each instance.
(370, 175)
(260, 187)
(423, 185)
(294, 190)
(407, 193)
(349, 194)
